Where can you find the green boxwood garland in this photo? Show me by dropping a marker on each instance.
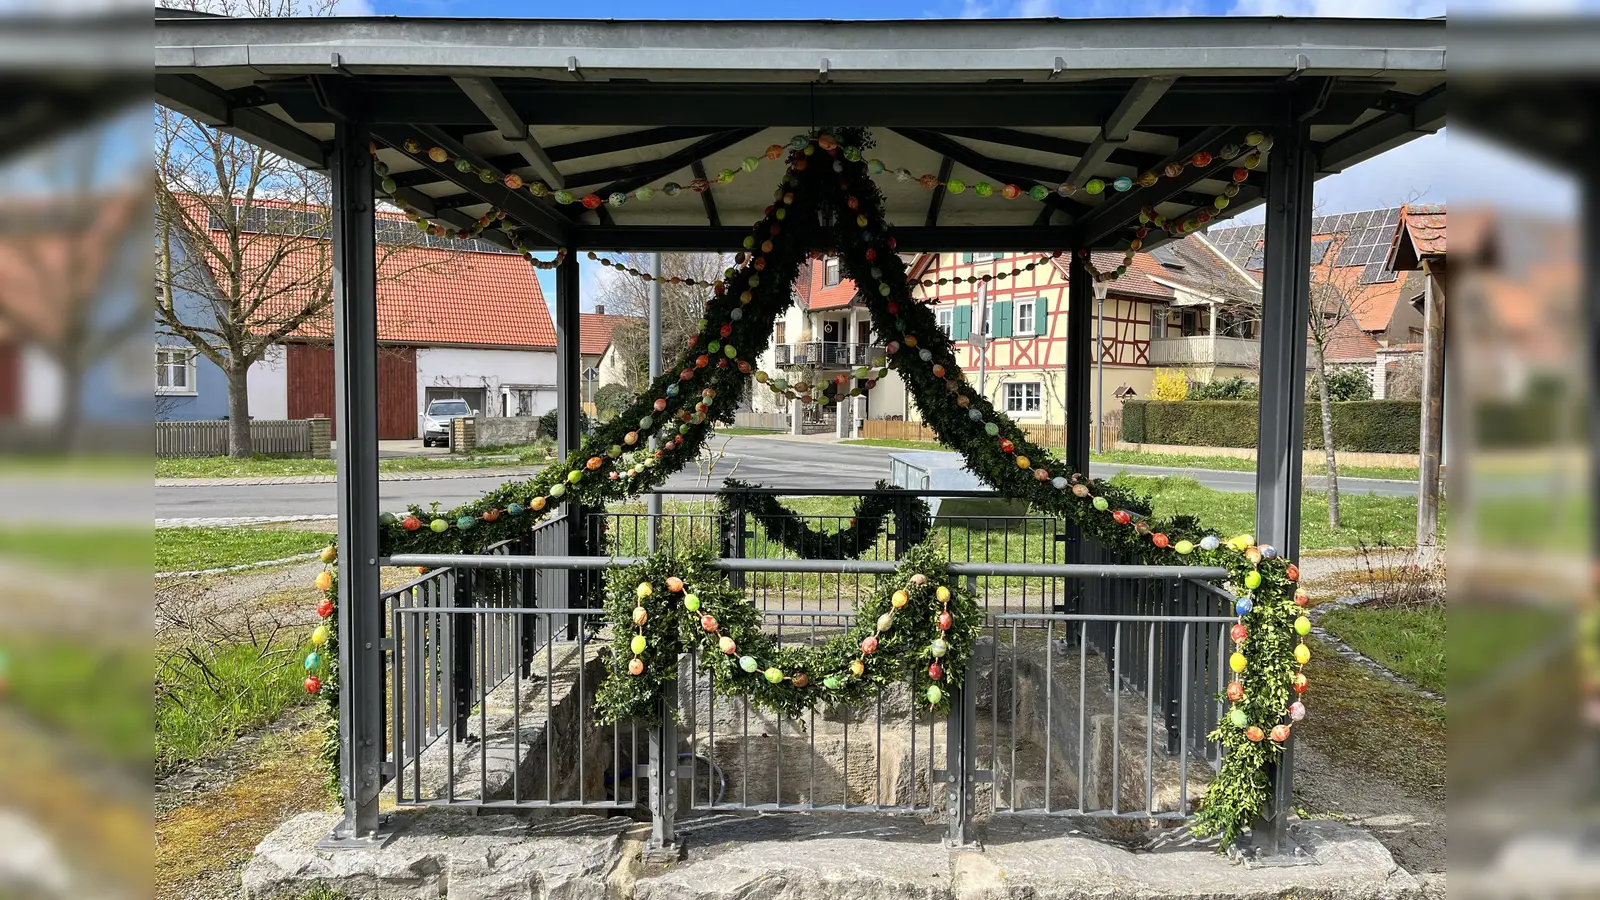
(689, 606)
(866, 521)
(826, 199)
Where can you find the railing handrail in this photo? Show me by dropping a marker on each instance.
(813, 566)
(834, 492)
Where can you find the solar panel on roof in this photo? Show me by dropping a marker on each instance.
(1166, 257)
(1377, 273)
(1319, 250)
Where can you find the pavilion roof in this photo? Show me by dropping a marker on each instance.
(607, 106)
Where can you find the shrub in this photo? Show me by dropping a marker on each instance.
(611, 399)
(1348, 384)
(547, 424)
(1133, 421)
(1373, 426)
(1235, 388)
(1169, 384)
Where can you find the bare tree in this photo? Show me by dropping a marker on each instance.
(681, 305)
(66, 257)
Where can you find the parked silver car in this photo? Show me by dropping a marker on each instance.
(436, 421)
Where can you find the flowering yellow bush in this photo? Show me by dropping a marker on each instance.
(1170, 384)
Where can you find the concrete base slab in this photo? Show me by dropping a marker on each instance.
(444, 853)
(795, 856)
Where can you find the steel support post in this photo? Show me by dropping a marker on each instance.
(663, 739)
(1080, 353)
(1286, 306)
(569, 430)
(355, 371)
(961, 776)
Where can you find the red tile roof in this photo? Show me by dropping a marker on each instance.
(594, 331)
(1421, 235)
(1348, 342)
(58, 259)
(820, 295)
(425, 295)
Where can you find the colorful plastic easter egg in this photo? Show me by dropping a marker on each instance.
(748, 663)
(1254, 734)
(1302, 626)
(636, 666)
(1184, 548)
(1235, 691)
(1302, 654)
(1101, 503)
(1210, 542)
(900, 598)
(938, 648)
(934, 695)
(885, 621)
(1280, 733)
(638, 643)
(1297, 711)
(1243, 606)
(1238, 632)
(1237, 661)
(439, 526)
(857, 668)
(1252, 579)
(1237, 717)
(774, 675)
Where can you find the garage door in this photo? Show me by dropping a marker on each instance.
(311, 388)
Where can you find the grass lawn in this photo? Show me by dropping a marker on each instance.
(1409, 642)
(1172, 460)
(193, 549)
(78, 547)
(1485, 640)
(1368, 519)
(205, 698)
(263, 467)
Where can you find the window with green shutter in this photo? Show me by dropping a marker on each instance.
(1002, 319)
(966, 257)
(1041, 316)
(962, 330)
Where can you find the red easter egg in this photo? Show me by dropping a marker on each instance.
(870, 645)
(313, 684)
(1121, 517)
(660, 404)
(1159, 539)
(674, 583)
(1291, 572)
(1280, 733)
(726, 329)
(1301, 598)
(709, 623)
(1238, 632)
(800, 679)
(1235, 691)
(1254, 734)
(636, 666)
(411, 523)
(945, 620)
(936, 671)
(1300, 684)
(325, 608)
(1006, 446)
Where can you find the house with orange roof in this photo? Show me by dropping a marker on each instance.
(599, 334)
(458, 320)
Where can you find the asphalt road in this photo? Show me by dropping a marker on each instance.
(799, 465)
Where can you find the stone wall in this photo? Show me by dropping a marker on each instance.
(506, 432)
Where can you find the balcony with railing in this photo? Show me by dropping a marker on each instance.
(824, 354)
(1205, 350)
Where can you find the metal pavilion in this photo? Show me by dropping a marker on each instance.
(607, 106)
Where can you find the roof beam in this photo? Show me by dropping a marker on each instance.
(632, 140)
(698, 167)
(209, 105)
(667, 238)
(437, 101)
(1426, 116)
(1049, 143)
(999, 170)
(679, 159)
(485, 95)
(520, 206)
(1123, 120)
(1116, 212)
(945, 165)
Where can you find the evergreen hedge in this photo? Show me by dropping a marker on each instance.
(1368, 426)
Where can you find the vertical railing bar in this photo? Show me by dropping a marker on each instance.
(1049, 706)
(449, 728)
(516, 708)
(398, 718)
(481, 625)
(1083, 705)
(1150, 720)
(583, 632)
(877, 751)
(549, 714)
(1116, 718)
(1183, 713)
(745, 750)
(1014, 730)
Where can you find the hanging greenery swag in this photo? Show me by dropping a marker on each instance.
(866, 523)
(826, 200)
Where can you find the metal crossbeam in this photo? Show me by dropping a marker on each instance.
(1000, 170)
(1116, 213)
(487, 97)
(935, 202)
(698, 167)
(1121, 123)
(672, 162)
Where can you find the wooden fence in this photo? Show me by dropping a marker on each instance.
(296, 438)
(768, 421)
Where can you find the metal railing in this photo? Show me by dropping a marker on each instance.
(827, 353)
(1013, 742)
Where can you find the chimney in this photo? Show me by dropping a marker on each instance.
(599, 309)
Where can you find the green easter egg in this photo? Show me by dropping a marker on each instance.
(774, 675)
(1252, 579)
(1302, 626)
(934, 694)
(638, 643)
(1102, 504)
(1238, 718)
(691, 602)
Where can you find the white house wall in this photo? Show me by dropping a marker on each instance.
(461, 367)
(268, 383)
(41, 386)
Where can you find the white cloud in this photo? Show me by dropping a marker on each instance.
(1391, 9)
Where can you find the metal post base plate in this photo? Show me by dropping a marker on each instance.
(341, 839)
(972, 846)
(661, 855)
(1296, 851)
